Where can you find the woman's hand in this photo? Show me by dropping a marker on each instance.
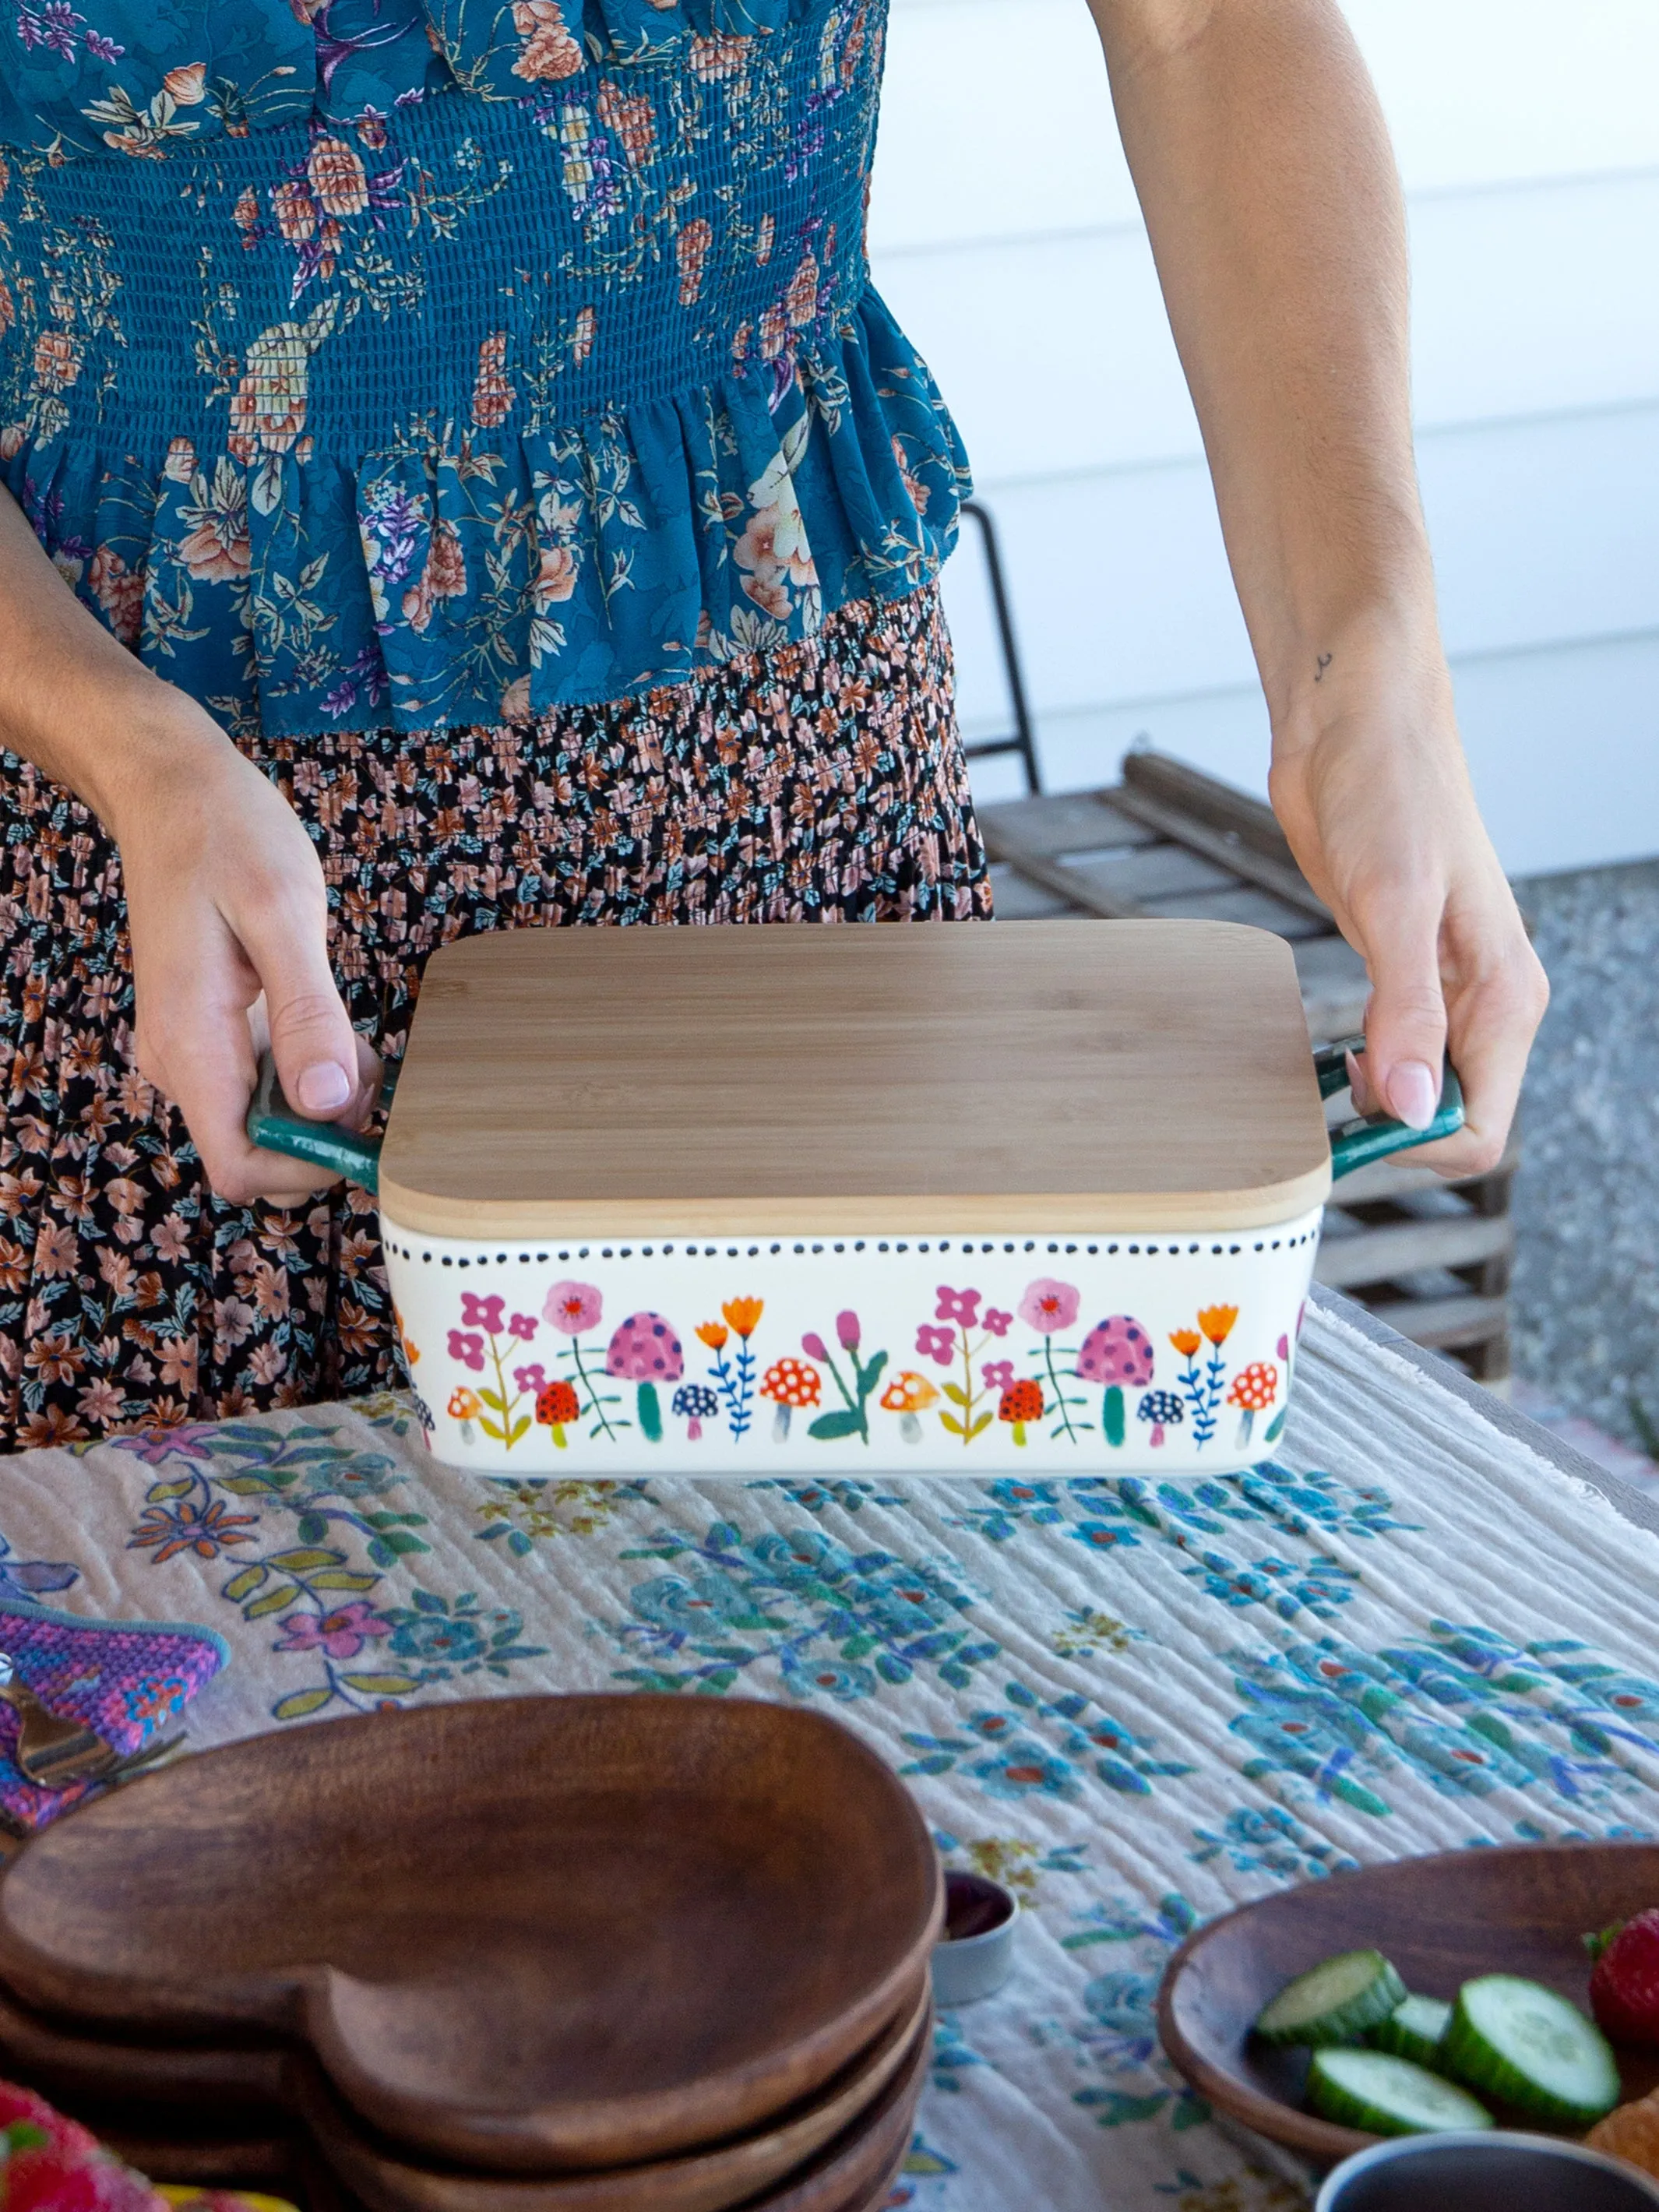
(1276, 218)
(228, 919)
(1375, 798)
(225, 897)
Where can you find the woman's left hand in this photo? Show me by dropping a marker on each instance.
(1375, 798)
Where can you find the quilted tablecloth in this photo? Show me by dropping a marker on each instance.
(1136, 1702)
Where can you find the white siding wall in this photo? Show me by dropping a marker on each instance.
(1006, 236)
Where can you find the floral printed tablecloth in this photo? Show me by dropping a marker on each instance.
(1136, 1702)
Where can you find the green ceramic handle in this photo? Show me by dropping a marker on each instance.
(1373, 1136)
(273, 1124)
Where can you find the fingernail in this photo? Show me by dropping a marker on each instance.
(1413, 1093)
(325, 1088)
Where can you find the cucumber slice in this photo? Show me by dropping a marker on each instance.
(1523, 2043)
(1413, 2030)
(1388, 2096)
(1335, 2001)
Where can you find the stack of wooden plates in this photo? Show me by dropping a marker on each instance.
(533, 1954)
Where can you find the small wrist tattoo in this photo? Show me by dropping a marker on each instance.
(1323, 663)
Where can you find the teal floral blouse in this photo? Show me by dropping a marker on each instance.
(403, 363)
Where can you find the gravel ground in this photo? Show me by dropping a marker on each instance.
(1586, 1290)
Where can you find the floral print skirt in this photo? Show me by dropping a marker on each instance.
(819, 782)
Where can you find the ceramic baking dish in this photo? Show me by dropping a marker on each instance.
(1008, 1198)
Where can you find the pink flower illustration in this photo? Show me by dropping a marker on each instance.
(341, 1634)
(999, 1374)
(523, 1326)
(957, 1306)
(1048, 1305)
(997, 1321)
(468, 1350)
(573, 1307)
(1285, 1347)
(846, 1328)
(533, 1378)
(935, 1344)
(481, 1313)
(814, 1346)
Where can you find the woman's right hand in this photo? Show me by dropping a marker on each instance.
(228, 918)
(225, 895)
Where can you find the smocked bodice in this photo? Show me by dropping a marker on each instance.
(373, 363)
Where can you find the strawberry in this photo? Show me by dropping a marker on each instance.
(49, 2163)
(1624, 1983)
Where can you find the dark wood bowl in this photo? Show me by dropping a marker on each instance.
(1515, 1909)
(800, 2166)
(522, 1935)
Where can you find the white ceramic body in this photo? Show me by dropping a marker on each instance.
(488, 1326)
(975, 1966)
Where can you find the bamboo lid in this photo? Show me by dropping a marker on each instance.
(745, 1080)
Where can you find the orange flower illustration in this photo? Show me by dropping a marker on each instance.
(718, 54)
(57, 360)
(295, 212)
(1185, 1340)
(1217, 1322)
(336, 170)
(800, 302)
(546, 47)
(492, 391)
(268, 407)
(555, 576)
(632, 120)
(713, 1335)
(119, 591)
(187, 85)
(692, 250)
(743, 1314)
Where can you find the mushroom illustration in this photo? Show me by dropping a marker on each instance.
(1022, 1402)
(1118, 1354)
(555, 1405)
(790, 1382)
(696, 1403)
(1163, 1410)
(908, 1394)
(645, 1350)
(464, 1406)
(1254, 1387)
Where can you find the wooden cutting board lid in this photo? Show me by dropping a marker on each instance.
(1075, 1075)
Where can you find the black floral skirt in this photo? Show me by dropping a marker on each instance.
(821, 781)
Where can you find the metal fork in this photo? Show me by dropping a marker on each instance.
(54, 1751)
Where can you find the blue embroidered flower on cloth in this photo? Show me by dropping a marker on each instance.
(400, 363)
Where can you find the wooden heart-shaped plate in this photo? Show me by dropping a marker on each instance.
(219, 2083)
(840, 2133)
(521, 1934)
(1515, 1909)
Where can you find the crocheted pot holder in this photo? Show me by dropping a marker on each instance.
(129, 1680)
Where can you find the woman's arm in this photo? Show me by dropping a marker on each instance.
(225, 895)
(1263, 166)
